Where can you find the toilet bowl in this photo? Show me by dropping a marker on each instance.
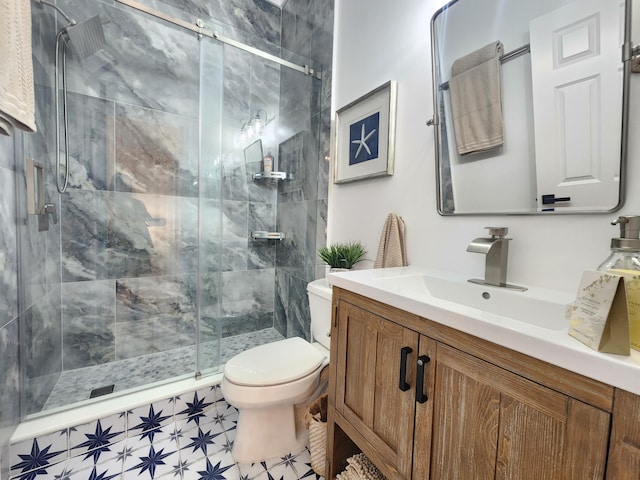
(268, 383)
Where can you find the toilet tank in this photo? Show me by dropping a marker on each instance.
(320, 307)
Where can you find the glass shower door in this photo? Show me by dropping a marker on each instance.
(253, 290)
(115, 305)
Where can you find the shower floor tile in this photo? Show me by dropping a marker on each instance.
(76, 385)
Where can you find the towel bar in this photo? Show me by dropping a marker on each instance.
(503, 59)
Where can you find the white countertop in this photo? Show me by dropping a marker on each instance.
(552, 346)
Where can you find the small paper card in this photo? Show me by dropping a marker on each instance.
(632, 284)
(599, 317)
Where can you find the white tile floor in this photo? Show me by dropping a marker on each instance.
(193, 442)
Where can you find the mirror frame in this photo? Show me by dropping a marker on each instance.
(434, 122)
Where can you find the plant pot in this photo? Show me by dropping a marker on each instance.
(334, 270)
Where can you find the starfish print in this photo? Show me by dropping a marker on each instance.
(194, 409)
(102, 476)
(180, 468)
(151, 462)
(362, 143)
(202, 440)
(124, 454)
(97, 442)
(35, 461)
(150, 423)
(213, 472)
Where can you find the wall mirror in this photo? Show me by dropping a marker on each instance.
(553, 70)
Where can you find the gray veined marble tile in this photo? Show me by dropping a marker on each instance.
(91, 136)
(298, 155)
(298, 316)
(234, 256)
(265, 87)
(261, 252)
(281, 301)
(297, 252)
(234, 220)
(154, 314)
(6, 152)
(140, 55)
(88, 319)
(42, 349)
(248, 291)
(296, 33)
(33, 253)
(258, 17)
(8, 252)
(9, 379)
(151, 235)
(156, 152)
(84, 217)
(237, 87)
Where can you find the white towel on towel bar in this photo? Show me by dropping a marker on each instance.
(391, 249)
(17, 105)
(475, 89)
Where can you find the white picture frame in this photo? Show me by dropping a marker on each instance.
(365, 136)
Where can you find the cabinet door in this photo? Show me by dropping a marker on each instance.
(624, 451)
(424, 410)
(490, 423)
(368, 392)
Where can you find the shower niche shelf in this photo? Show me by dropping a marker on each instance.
(271, 176)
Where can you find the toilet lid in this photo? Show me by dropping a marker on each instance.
(274, 363)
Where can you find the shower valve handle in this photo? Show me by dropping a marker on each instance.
(50, 209)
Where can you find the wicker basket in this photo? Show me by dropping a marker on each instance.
(316, 420)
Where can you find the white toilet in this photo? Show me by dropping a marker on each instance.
(268, 382)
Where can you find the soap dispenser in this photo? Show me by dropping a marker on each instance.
(625, 251)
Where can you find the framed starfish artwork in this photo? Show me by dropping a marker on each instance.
(365, 133)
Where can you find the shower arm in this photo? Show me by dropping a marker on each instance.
(59, 10)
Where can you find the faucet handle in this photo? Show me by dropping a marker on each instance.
(497, 232)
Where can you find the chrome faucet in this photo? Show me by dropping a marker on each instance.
(496, 250)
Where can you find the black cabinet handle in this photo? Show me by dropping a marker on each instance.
(420, 396)
(404, 352)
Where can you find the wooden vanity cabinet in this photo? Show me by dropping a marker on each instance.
(449, 411)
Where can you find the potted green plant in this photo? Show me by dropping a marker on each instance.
(342, 255)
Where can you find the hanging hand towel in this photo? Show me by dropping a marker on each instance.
(17, 106)
(391, 250)
(475, 88)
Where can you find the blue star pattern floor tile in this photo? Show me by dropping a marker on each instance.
(94, 439)
(180, 448)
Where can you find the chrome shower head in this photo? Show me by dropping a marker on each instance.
(86, 37)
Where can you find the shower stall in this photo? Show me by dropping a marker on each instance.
(154, 270)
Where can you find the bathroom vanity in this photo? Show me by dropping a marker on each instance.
(416, 387)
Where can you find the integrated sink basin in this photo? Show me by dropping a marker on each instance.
(537, 307)
(532, 322)
(524, 307)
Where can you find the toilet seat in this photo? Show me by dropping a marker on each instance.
(274, 363)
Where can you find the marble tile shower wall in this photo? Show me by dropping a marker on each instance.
(307, 29)
(121, 265)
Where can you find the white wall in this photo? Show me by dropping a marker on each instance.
(378, 40)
